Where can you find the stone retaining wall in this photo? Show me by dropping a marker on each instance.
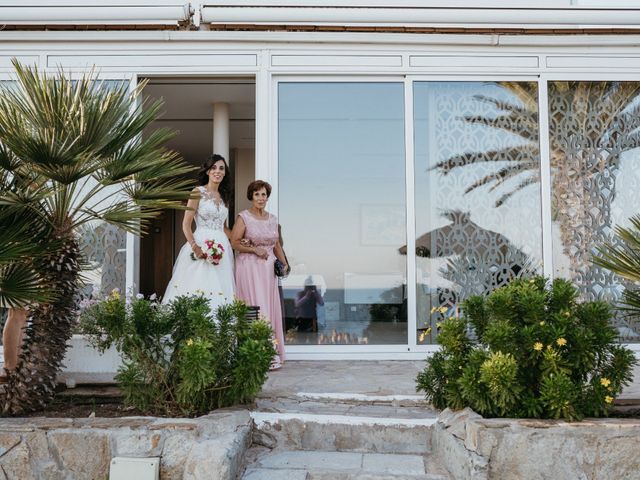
(189, 449)
(472, 447)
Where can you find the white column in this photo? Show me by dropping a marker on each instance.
(221, 129)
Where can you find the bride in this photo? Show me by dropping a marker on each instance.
(193, 272)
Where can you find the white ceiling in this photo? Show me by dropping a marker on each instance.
(188, 108)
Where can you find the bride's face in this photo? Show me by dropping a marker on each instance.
(217, 172)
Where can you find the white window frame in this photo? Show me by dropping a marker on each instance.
(411, 211)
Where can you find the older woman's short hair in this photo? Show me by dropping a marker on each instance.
(257, 185)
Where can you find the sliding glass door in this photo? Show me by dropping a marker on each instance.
(477, 192)
(341, 158)
(400, 199)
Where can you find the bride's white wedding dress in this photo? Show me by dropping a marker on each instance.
(199, 277)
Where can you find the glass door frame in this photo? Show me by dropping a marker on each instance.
(545, 79)
(405, 351)
(545, 180)
(411, 350)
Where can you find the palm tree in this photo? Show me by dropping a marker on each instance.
(75, 155)
(591, 124)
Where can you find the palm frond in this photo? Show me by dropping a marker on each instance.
(499, 177)
(21, 285)
(509, 154)
(524, 126)
(622, 257)
(532, 180)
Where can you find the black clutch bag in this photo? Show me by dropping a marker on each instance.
(280, 269)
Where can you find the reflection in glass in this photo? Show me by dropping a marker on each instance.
(593, 141)
(342, 210)
(104, 250)
(477, 194)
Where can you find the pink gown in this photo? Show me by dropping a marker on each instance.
(256, 282)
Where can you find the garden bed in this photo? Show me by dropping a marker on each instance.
(39, 447)
(475, 448)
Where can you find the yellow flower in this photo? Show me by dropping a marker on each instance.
(424, 333)
(439, 325)
(538, 346)
(542, 323)
(433, 310)
(567, 313)
(549, 347)
(189, 342)
(115, 293)
(605, 382)
(561, 341)
(608, 399)
(443, 310)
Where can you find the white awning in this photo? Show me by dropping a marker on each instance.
(87, 12)
(423, 13)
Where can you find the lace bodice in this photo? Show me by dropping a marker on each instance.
(210, 214)
(262, 233)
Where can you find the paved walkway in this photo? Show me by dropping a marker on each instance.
(362, 377)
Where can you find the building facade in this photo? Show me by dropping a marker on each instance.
(419, 151)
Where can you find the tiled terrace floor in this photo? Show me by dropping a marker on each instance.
(362, 378)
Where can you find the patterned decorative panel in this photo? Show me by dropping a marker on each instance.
(593, 130)
(477, 170)
(104, 250)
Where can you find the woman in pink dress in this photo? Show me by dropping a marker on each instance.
(255, 237)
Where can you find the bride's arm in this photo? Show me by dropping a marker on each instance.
(189, 215)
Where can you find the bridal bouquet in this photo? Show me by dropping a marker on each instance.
(213, 251)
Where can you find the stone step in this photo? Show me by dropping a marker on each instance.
(332, 406)
(342, 433)
(321, 465)
(363, 399)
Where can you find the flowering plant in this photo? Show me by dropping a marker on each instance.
(529, 349)
(176, 359)
(213, 252)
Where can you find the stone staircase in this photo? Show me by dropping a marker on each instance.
(342, 437)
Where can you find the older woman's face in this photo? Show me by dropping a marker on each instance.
(260, 198)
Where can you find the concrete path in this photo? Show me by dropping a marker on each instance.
(362, 377)
(344, 376)
(632, 392)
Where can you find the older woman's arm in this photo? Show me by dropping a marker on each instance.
(279, 252)
(237, 234)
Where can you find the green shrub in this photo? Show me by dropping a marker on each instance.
(176, 360)
(536, 352)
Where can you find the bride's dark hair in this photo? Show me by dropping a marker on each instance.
(225, 185)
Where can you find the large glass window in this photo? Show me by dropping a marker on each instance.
(595, 180)
(342, 209)
(477, 192)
